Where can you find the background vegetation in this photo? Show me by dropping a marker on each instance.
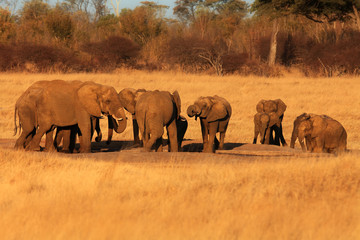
(211, 36)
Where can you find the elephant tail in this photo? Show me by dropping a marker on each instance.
(16, 127)
(144, 125)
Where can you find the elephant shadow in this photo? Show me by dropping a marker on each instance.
(114, 146)
(190, 146)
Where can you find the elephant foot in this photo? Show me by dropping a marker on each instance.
(208, 150)
(107, 142)
(98, 139)
(50, 150)
(136, 145)
(18, 147)
(285, 144)
(32, 148)
(84, 150)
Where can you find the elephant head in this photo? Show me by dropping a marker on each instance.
(268, 106)
(261, 121)
(97, 99)
(307, 126)
(211, 108)
(128, 98)
(303, 117)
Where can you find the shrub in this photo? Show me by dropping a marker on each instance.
(113, 52)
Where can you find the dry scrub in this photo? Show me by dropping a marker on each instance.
(187, 195)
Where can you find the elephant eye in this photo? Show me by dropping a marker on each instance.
(107, 101)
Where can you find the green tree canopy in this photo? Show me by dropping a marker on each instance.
(187, 10)
(315, 10)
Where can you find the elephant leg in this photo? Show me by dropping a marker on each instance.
(66, 140)
(256, 133)
(308, 143)
(28, 131)
(49, 142)
(281, 136)
(96, 125)
(154, 128)
(173, 136)
(181, 127)
(266, 139)
(25, 137)
(318, 145)
(222, 140)
(58, 137)
(135, 130)
(85, 132)
(34, 144)
(110, 130)
(159, 145)
(205, 133)
(74, 130)
(216, 142)
(275, 140)
(212, 132)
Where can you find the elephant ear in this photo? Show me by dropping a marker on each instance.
(281, 107)
(260, 106)
(217, 112)
(274, 119)
(127, 98)
(176, 99)
(88, 98)
(318, 124)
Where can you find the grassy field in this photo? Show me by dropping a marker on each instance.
(133, 195)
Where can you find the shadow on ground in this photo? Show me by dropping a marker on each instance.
(188, 145)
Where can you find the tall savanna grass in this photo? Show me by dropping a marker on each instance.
(135, 195)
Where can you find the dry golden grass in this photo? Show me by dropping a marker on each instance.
(130, 195)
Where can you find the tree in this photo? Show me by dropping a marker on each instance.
(59, 24)
(317, 10)
(142, 23)
(7, 25)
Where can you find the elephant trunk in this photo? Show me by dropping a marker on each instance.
(294, 136)
(193, 110)
(119, 120)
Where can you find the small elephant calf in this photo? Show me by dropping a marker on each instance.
(267, 120)
(214, 113)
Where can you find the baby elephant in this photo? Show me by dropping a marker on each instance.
(268, 119)
(321, 133)
(214, 113)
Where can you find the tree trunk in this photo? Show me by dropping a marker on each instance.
(273, 43)
(356, 13)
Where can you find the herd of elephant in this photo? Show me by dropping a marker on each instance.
(75, 107)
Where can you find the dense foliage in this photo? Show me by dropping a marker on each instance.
(213, 36)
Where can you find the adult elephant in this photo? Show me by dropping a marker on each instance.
(26, 108)
(155, 110)
(321, 133)
(62, 103)
(274, 109)
(214, 113)
(128, 98)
